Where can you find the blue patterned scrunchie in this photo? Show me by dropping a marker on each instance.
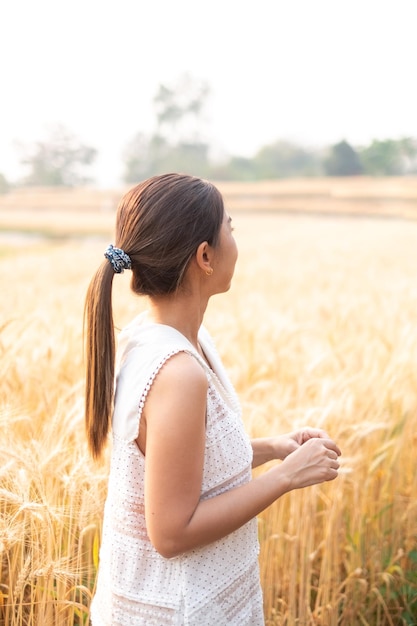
(120, 260)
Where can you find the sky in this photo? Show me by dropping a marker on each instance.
(309, 71)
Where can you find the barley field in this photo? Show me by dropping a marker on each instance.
(319, 328)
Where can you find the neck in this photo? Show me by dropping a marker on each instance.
(183, 313)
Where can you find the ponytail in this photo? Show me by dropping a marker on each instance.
(99, 356)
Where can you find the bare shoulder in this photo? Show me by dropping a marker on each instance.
(178, 394)
(181, 371)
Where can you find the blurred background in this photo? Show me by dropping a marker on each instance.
(105, 93)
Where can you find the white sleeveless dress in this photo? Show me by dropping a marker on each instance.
(215, 585)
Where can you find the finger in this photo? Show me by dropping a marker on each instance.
(333, 474)
(312, 433)
(331, 445)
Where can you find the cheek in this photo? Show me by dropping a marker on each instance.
(235, 250)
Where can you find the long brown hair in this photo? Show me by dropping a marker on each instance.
(159, 224)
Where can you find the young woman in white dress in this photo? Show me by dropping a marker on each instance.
(179, 543)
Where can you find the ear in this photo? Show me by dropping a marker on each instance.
(204, 256)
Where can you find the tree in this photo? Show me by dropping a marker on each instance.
(235, 168)
(179, 109)
(4, 184)
(143, 157)
(283, 159)
(343, 160)
(147, 156)
(59, 160)
(177, 143)
(390, 157)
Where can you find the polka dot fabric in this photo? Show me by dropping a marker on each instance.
(136, 586)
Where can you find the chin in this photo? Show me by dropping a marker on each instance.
(221, 290)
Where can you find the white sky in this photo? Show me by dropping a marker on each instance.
(312, 71)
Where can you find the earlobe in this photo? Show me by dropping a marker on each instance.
(203, 258)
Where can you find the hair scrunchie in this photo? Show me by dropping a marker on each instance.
(119, 260)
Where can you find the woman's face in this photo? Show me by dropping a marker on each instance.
(225, 257)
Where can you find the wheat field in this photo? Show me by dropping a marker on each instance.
(319, 328)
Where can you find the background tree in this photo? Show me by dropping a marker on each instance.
(144, 156)
(4, 184)
(59, 160)
(234, 168)
(283, 159)
(180, 108)
(177, 144)
(390, 157)
(343, 160)
(408, 149)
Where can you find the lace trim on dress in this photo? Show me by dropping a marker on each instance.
(152, 378)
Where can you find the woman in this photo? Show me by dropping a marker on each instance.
(179, 543)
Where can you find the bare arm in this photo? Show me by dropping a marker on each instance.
(177, 521)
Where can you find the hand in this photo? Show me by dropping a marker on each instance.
(288, 443)
(314, 461)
